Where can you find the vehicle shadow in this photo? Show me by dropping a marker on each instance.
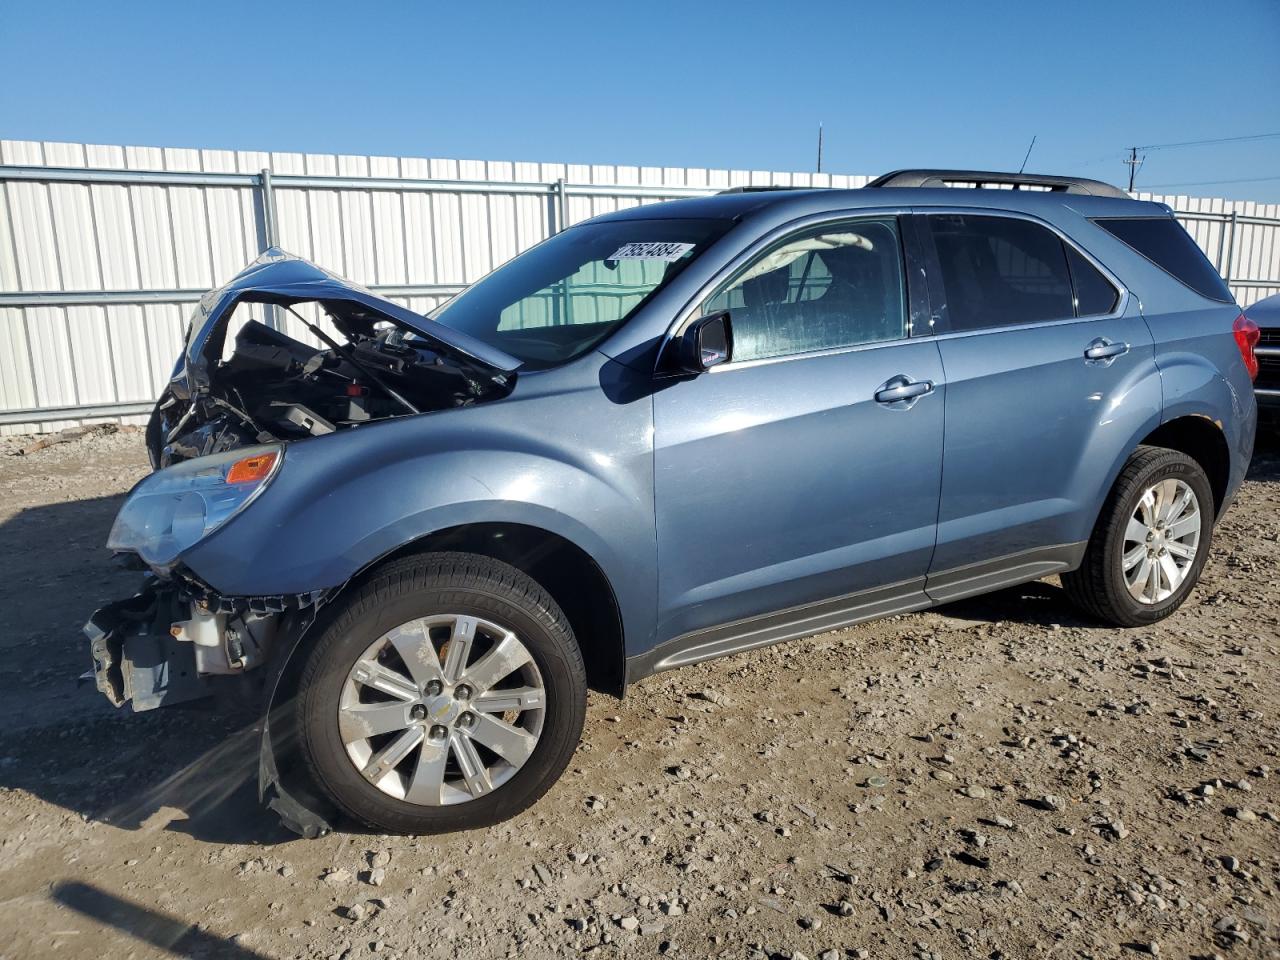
(1265, 465)
(1035, 604)
(162, 931)
(188, 769)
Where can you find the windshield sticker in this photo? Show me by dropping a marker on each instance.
(652, 250)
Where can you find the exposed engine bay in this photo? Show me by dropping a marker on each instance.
(378, 360)
(274, 387)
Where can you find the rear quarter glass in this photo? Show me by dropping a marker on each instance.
(1094, 293)
(1164, 242)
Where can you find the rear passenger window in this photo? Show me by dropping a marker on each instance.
(1094, 293)
(1000, 271)
(835, 286)
(1163, 241)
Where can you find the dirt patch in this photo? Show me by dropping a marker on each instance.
(998, 778)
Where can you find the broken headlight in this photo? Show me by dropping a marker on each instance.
(177, 507)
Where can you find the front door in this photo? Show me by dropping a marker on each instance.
(802, 476)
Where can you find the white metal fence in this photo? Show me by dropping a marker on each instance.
(103, 249)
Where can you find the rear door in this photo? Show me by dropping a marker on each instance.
(808, 467)
(1044, 357)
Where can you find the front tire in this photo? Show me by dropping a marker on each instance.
(447, 692)
(1150, 542)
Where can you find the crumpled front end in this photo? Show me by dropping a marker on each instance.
(135, 659)
(242, 394)
(175, 641)
(169, 642)
(241, 381)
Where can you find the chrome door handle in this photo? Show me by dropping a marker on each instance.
(901, 388)
(1104, 349)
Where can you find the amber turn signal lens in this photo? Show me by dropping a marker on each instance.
(252, 469)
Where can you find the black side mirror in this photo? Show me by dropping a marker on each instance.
(707, 343)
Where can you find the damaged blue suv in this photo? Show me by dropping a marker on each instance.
(664, 435)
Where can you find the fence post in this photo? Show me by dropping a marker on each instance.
(268, 235)
(1231, 248)
(1222, 245)
(269, 229)
(562, 207)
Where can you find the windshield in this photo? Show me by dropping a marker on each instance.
(561, 298)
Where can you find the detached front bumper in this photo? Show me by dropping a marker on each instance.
(136, 658)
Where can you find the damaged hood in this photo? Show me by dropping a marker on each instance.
(283, 279)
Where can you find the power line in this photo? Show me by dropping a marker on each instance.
(1122, 154)
(1206, 183)
(1134, 162)
(1109, 158)
(1197, 143)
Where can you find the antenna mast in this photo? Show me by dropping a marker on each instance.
(1028, 156)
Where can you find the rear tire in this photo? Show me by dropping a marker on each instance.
(359, 701)
(1116, 582)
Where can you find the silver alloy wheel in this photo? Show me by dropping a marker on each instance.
(442, 709)
(1161, 540)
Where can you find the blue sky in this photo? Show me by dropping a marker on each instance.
(899, 83)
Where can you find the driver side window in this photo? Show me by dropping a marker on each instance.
(837, 285)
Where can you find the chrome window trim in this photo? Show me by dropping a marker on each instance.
(813, 354)
(984, 331)
(687, 313)
(1122, 300)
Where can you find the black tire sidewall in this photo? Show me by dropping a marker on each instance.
(1175, 466)
(358, 625)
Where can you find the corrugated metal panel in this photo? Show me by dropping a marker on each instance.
(17, 377)
(170, 241)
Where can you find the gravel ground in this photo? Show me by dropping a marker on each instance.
(998, 778)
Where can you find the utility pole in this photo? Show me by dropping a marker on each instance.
(819, 147)
(1134, 163)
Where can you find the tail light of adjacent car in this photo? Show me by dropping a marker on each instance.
(1247, 335)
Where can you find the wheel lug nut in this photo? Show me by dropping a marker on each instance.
(462, 692)
(434, 688)
(466, 720)
(418, 711)
(438, 732)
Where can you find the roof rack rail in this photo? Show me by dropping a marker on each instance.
(983, 178)
(759, 189)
